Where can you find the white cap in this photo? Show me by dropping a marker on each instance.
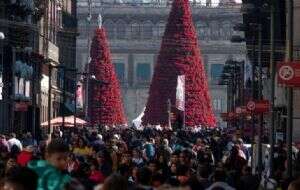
(100, 136)
(2, 36)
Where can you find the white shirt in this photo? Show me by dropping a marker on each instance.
(13, 141)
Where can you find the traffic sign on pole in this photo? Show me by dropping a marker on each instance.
(251, 105)
(261, 106)
(289, 74)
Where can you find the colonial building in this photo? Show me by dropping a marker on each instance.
(60, 27)
(135, 31)
(37, 33)
(19, 65)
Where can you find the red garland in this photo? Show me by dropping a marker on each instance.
(105, 105)
(179, 55)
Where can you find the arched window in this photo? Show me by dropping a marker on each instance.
(135, 31)
(161, 29)
(227, 29)
(121, 29)
(110, 28)
(214, 30)
(148, 30)
(201, 27)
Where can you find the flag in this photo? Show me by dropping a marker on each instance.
(79, 95)
(137, 122)
(180, 93)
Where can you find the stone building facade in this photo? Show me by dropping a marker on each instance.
(135, 32)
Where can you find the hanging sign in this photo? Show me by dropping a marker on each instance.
(289, 74)
(260, 106)
(21, 106)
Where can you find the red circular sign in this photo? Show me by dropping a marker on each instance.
(286, 72)
(251, 105)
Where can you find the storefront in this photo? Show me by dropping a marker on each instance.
(22, 82)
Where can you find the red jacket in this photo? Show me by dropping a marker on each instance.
(96, 177)
(24, 157)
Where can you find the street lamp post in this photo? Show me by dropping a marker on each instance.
(50, 127)
(2, 37)
(290, 93)
(64, 94)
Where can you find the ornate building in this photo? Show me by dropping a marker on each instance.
(135, 31)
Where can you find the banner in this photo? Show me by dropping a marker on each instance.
(21, 86)
(180, 93)
(259, 106)
(16, 84)
(79, 95)
(27, 88)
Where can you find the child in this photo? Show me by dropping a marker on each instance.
(50, 170)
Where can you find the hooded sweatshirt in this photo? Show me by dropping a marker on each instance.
(50, 178)
(24, 157)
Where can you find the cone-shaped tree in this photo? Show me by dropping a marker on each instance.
(105, 105)
(179, 55)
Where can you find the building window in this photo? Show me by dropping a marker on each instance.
(207, 32)
(148, 30)
(135, 31)
(121, 29)
(110, 28)
(217, 104)
(216, 72)
(161, 29)
(214, 30)
(200, 27)
(227, 30)
(120, 69)
(143, 72)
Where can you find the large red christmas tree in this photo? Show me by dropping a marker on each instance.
(179, 55)
(105, 105)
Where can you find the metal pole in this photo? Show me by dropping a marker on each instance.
(13, 90)
(260, 96)
(242, 92)
(169, 113)
(272, 84)
(290, 93)
(3, 89)
(75, 100)
(34, 79)
(64, 97)
(253, 97)
(88, 60)
(50, 127)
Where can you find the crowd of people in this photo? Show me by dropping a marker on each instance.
(141, 160)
